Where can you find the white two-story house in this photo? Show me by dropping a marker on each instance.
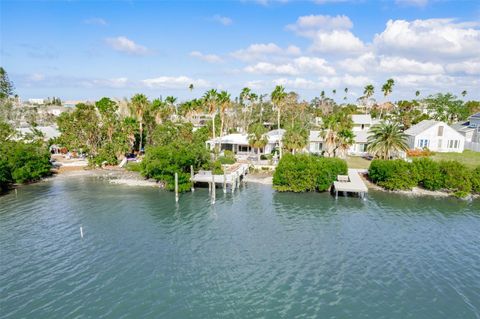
(436, 136)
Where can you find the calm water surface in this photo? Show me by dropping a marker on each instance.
(256, 254)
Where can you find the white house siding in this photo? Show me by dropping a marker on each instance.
(434, 139)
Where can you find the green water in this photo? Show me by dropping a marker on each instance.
(255, 254)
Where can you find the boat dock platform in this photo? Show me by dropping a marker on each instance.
(351, 183)
(231, 177)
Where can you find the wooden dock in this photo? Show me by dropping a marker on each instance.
(232, 176)
(351, 183)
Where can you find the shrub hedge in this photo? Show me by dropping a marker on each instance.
(450, 176)
(306, 173)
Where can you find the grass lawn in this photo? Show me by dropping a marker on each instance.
(358, 162)
(469, 158)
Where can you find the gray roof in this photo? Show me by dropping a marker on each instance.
(477, 115)
(420, 127)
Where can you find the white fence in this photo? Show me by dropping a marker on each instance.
(472, 146)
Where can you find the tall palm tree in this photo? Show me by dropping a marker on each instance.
(417, 93)
(368, 92)
(257, 138)
(464, 92)
(387, 89)
(224, 101)
(334, 91)
(190, 87)
(385, 138)
(245, 98)
(346, 93)
(171, 103)
(345, 138)
(295, 138)
(278, 97)
(211, 100)
(139, 103)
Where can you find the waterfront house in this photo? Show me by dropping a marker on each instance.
(315, 142)
(436, 136)
(361, 125)
(238, 142)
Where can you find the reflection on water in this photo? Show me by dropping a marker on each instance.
(256, 253)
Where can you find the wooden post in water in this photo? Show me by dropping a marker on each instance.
(176, 187)
(224, 181)
(192, 178)
(213, 188)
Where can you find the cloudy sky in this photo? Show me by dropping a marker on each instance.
(88, 49)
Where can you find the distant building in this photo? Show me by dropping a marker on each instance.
(36, 101)
(436, 136)
(470, 129)
(48, 131)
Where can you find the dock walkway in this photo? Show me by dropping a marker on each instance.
(231, 177)
(351, 183)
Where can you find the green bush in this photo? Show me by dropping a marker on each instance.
(162, 162)
(5, 175)
(133, 167)
(456, 178)
(393, 174)
(304, 173)
(428, 172)
(105, 155)
(475, 180)
(27, 162)
(217, 167)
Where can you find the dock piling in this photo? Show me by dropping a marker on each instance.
(176, 187)
(192, 175)
(224, 181)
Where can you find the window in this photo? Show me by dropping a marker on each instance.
(439, 143)
(440, 131)
(423, 143)
(456, 144)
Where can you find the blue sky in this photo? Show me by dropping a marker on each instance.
(90, 49)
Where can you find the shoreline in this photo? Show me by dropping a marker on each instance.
(117, 176)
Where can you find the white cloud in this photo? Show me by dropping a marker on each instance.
(431, 38)
(470, 67)
(170, 82)
(210, 58)
(111, 83)
(36, 77)
(300, 65)
(266, 68)
(415, 3)
(222, 20)
(261, 51)
(311, 23)
(124, 44)
(328, 33)
(338, 41)
(362, 64)
(397, 65)
(96, 21)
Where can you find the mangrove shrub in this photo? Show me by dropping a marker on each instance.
(305, 173)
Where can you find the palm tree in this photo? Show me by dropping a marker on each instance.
(334, 91)
(464, 92)
(295, 138)
(171, 103)
(387, 88)
(385, 138)
(245, 95)
(224, 100)
(345, 138)
(211, 99)
(278, 97)
(257, 138)
(346, 93)
(417, 93)
(190, 87)
(139, 103)
(368, 92)
(322, 95)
